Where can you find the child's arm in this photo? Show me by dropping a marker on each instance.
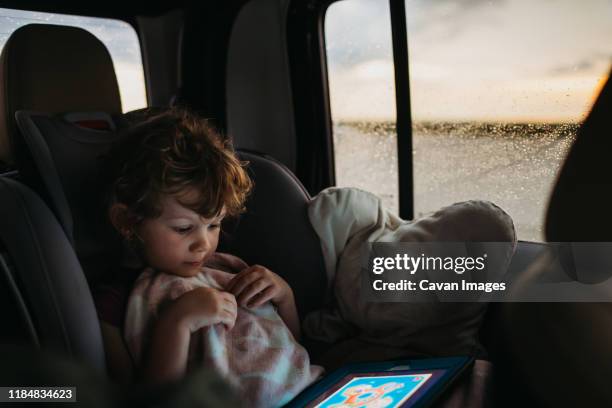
(288, 312)
(255, 285)
(168, 351)
(118, 360)
(166, 358)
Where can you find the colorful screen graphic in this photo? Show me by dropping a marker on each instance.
(375, 391)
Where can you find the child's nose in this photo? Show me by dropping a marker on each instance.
(202, 243)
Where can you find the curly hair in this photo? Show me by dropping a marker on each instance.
(168, 154)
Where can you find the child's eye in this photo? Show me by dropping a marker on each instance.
(182, 230)
(214, 226)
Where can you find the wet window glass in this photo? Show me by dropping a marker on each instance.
(498, 89)
(362, 96)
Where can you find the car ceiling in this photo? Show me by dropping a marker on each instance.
(123, 11)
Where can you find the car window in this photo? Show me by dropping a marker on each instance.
(119, 38)
(498, 90)
(362, 96)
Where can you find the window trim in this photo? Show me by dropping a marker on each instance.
(403, 120)
(403, 116)
(309, 84)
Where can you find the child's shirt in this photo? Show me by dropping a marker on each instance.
(258, 356)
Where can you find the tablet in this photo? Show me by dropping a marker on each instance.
(390, 384)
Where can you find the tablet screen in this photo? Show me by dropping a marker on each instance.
(378, 389)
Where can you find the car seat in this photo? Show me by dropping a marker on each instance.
(52, 69)
(46, 300)
(58, 159)
(56, 69)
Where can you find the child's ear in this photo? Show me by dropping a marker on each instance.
(121, 218)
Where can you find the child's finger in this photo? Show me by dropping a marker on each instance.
(230, 286)
(229, 297)
(252, 290)
(228, 326)
(230, 307)
(263, 297)
(233, 262)
(232, 303)
(242, 282)
(228, 320)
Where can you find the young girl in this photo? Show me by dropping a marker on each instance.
(172, 181)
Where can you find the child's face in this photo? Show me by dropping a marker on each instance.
(180, 240)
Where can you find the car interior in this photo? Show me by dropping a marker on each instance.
(257, 68)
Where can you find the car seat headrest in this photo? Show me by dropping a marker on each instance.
(579, 208)
(53, 69)
(275, 231)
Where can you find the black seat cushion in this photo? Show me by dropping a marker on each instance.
(49, 276)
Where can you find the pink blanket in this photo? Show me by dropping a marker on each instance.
(258, 356)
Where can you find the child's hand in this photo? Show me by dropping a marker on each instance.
(255, 285)
(203, 307)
